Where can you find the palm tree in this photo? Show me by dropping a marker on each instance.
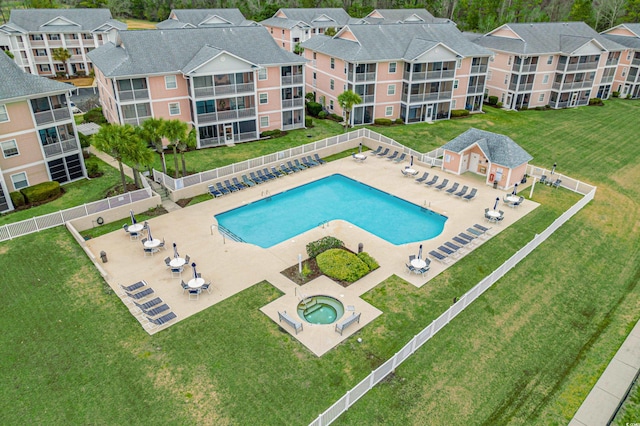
(140, 156)
(174, 130)
(190, 142)
(115, 141)
(151, 132)
(63, 55)
(347, 100)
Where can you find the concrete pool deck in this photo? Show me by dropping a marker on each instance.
(233, 267)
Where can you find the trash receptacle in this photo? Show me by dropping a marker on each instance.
(360, 247)
(495, 184)
(103, 256)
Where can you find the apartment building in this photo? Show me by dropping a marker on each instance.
(560, 64)
(289, 27)
(32, 34)
(401, 16)
(38, 135)
(204, 18)
(627, 78)
(416, 72)
(229, 83)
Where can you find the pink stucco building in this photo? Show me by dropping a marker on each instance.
(627, 77)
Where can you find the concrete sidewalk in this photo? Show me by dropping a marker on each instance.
(603, 400)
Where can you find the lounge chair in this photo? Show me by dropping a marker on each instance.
(461, 241)
(259, 179)
(265, 177)
(141, 294)
(312, 161)
(320, 160)
(227, 184)
(439, 257)
(248, 181)
(401, 158)
(239, 184)
(432, 181)
(294, 168)
(286, 169)
(298, 165)
(214, 192)
(268, 174)
(135, 286)
(482, 228)
(308, 163)
(277, 172)
(222, 189)
(443, 185)
(470, 196)
(393, 156)
(150, 304)
(462, 191)
(457, 250)
(453, 189)
(157, 310)
(377, 151)
(383, 153)
(557, 183)
(476, 232)
(469, 238)
(448, 251)
(157, 322)
(423, 178)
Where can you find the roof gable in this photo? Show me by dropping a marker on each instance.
(59, 21)
(590, 47)
(211, 59)
(499, 149)
(429, 51)
(323, 18)
(505, 31)
(214, 20)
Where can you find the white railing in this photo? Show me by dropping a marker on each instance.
(343, 404)
(36, 224)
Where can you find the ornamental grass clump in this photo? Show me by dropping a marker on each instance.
(314, 248)
(342, 265)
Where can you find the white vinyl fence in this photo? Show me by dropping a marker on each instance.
(343, 404)
(36, 224)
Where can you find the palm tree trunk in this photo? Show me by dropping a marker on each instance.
(184, 164)
(175, 160)
(136, 177)
(122, 176)
(164, 163)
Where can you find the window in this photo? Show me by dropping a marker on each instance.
(264, 98)
(264, 121)
(549, 60)
(502, 98)
(9, 148)
(314, 55)
(19, 180)
(455, 84)
(41, 52)
(628, 55)
(453, 104)
(262, 74)
(314, 75)
(44, 67)
(174, 108)
(54, 36)
(36, 37)
(333, 63)
(510, 60)
(506, 79)
(392, 67)
(489, 75)
(271, 30)
(282, 32)
(388, 111)
(541, 97)
(331, 104)
(331, 84)
(170, 82)
(458, 63)
(391, 89)
(60, 67)
(545, 79)
(4, 115)
(624, 71)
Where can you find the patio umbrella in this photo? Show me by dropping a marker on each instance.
(495, 206)
(133, 218)
(195, 274)
(411, 162)
(553, 170)
(175, 251)
(149, 233)
(420, 252)
(360, 148)
(515, 189)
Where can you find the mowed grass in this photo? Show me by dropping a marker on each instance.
(527, 352)
(139, 24)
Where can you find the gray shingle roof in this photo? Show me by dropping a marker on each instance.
(394, 42)
(310, 17)
(394, 16)
(17, 84)
(546, 37)
(197, 18)
(630, 42)
(499, 149)
(168, 51)
(31, 20)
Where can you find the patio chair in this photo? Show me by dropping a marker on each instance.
(184, 286)
(238, 184)
(462, 191)
(186, 260)
(268, 174)
(149, 251)
(393, 156)
(162, 245)
(312, 161)
(126, 228)
(501, 217)
(157, 322)
(134, 235)
(543, 179)
(439, 257)
(423, 178)
(248, 181)
(453, 189)
(222, 189)
(517, 203)
(298, 165)
(207, 287)
(383, 153)
(401, 158)
(214, 192)
(230, 186)
(470, 196)
(133, 286)
(167, 261)
(198, 275)
(292, 167)
(422, 271)
(286, 169)
(144, 240)
(277, 172)
(557, 183)
(409, 267)
(377, 151)
(411, 257)
(176, 272)
(320, 160)
(443, 185)
(432, 181)
(194, 293)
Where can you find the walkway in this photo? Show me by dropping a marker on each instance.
(604, 399)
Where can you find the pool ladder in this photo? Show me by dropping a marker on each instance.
(323, 223)
(302, 298)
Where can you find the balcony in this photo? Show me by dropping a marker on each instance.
(223, 90)
(631, 78)
(52, 116)
(220, 140)
(36, 43)
(565, 104)
(429, 75)
(428, 97)
(472, 90)
(133, 95)
(526, 69)
(363, 76)
(367, 99)
(606, 79)
(579, 66)
(63, 147)
(522, 87)
(288, 80)
(636, 62)
(231, 115)
(478, 69)
(136, 121)
(293, 126)
(611, 62)
(292, 103)
(573, 85)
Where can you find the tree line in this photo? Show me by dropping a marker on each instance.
(470, 15)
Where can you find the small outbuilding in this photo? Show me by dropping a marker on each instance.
(495, 156)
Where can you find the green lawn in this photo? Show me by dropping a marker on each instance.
(527, 352)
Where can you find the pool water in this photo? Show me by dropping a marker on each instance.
(280, 217)
(320, 309)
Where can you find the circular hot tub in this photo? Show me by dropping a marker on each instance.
(320, 309)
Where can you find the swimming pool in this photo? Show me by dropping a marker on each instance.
(275, 219)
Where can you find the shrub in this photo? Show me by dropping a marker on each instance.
(275, 133)
(336, 117)
(398, 121)
(314, 248)
(61, 74)
(314, 108)
(629, 96)
(17, 199)
(322, 115)
(342, 265)
(308, 122)
(499, 105)
(383, 121)
(41, 191)
(595, 101)
(459, 113)
(95, 116)
(93, 170)
(368, 260)
(85, 141)
(524, 108)
(492, 100)
(310, 97)
(615, 94)
(81, 73)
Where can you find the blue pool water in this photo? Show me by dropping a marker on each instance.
(282, 216)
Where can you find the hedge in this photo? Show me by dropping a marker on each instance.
(336, 117)
(368, 260)
(383, 121)
(342, 265)
(492, 100)
(17, 199)
(459, 113)
(95, 116)
(322, 115)
(41, 191)
(314, 248)
(314, 108)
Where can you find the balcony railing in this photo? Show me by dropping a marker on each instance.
(131, 95)
(525, 68)
(362, 76)
(478, 69)
(293, 126)
(429, 75)
(292, 103)
(564, 104)
(221, 140)
(224, 90)
(573, 86)
(631, 78)
(58, 148)
(472, 90)
(611, 62)
(136, 121)
(41, 59)
(213, 117)
(636, 62)
(367, 99)
(522, 87)
(37, 43)
(51, 116)
(288, 80)
(607, 79)
(428, 97)
(579, 66)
